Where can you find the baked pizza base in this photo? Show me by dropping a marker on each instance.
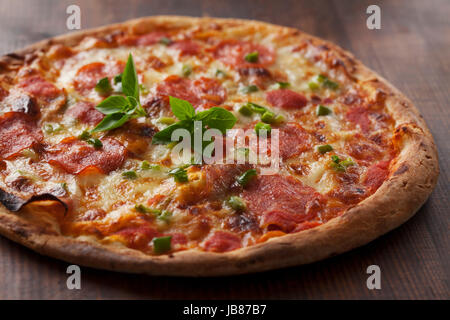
(412, 177)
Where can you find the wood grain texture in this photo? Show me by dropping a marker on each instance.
(412, 50)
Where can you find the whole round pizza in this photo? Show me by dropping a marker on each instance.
(299, 152)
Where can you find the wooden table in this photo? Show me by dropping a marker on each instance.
(412, 50)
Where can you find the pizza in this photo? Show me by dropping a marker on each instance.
(88, 172)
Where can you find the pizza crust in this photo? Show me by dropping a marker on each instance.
(413, 176)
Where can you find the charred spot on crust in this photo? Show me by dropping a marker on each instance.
(15, 56)
(337, 63)
(402, 169)
(21, 232)
(323, 47)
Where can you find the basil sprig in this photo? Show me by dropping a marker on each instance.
(120, 109)
(213, 118)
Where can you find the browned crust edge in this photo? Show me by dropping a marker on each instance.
(412, 179)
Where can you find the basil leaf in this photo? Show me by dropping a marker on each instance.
(130, 85)
(112, 121)
(182, 109)
(132, 101)
(118, 78)
(103, 86)
(112, 104)
(165, 136)
(217, 118)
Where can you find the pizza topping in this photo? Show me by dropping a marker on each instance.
(238, 53)
(162, 244)
(360, 117)
(293, 140)
(199, 92)
(283, 85)
(187, 47)
(39, 87)
(237, 204)
(335, 140)
(322, 81)
(246, 177)
(376, 174)
(18, 131)
(186, 70)
(75, 156)
(120, 109)
(103, 86)
(362, 148)
(220, 179)
(15, 203)
(340, 165)
(262, 127)
(322, 110)
(85, 113)
(221, 241)
(286, 99)
(179, 174)
(324, 148)
(213, 118)
(252, 56)
(281, 220)
(89, 75)
(283, 201)
(249, 89)
(165, 41)
(138, 237)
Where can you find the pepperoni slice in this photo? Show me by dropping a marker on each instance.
(359, 116)
(376, 174)
(85, 113)
(39, 87)
(221, 241)
(233, 52)
(281, 220)
(286, 99)
(200, 92)
(76, 156)
(187, 47)
(282, 201)
(18, 131)
(350, 191)
(307, 225)
(293, 140)
(179, 238)
(142, 40)
(138, 237)
(221, 177)
(88, 75)
(209, 91)
(361, 148)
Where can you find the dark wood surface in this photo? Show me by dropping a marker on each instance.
(412, 50)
